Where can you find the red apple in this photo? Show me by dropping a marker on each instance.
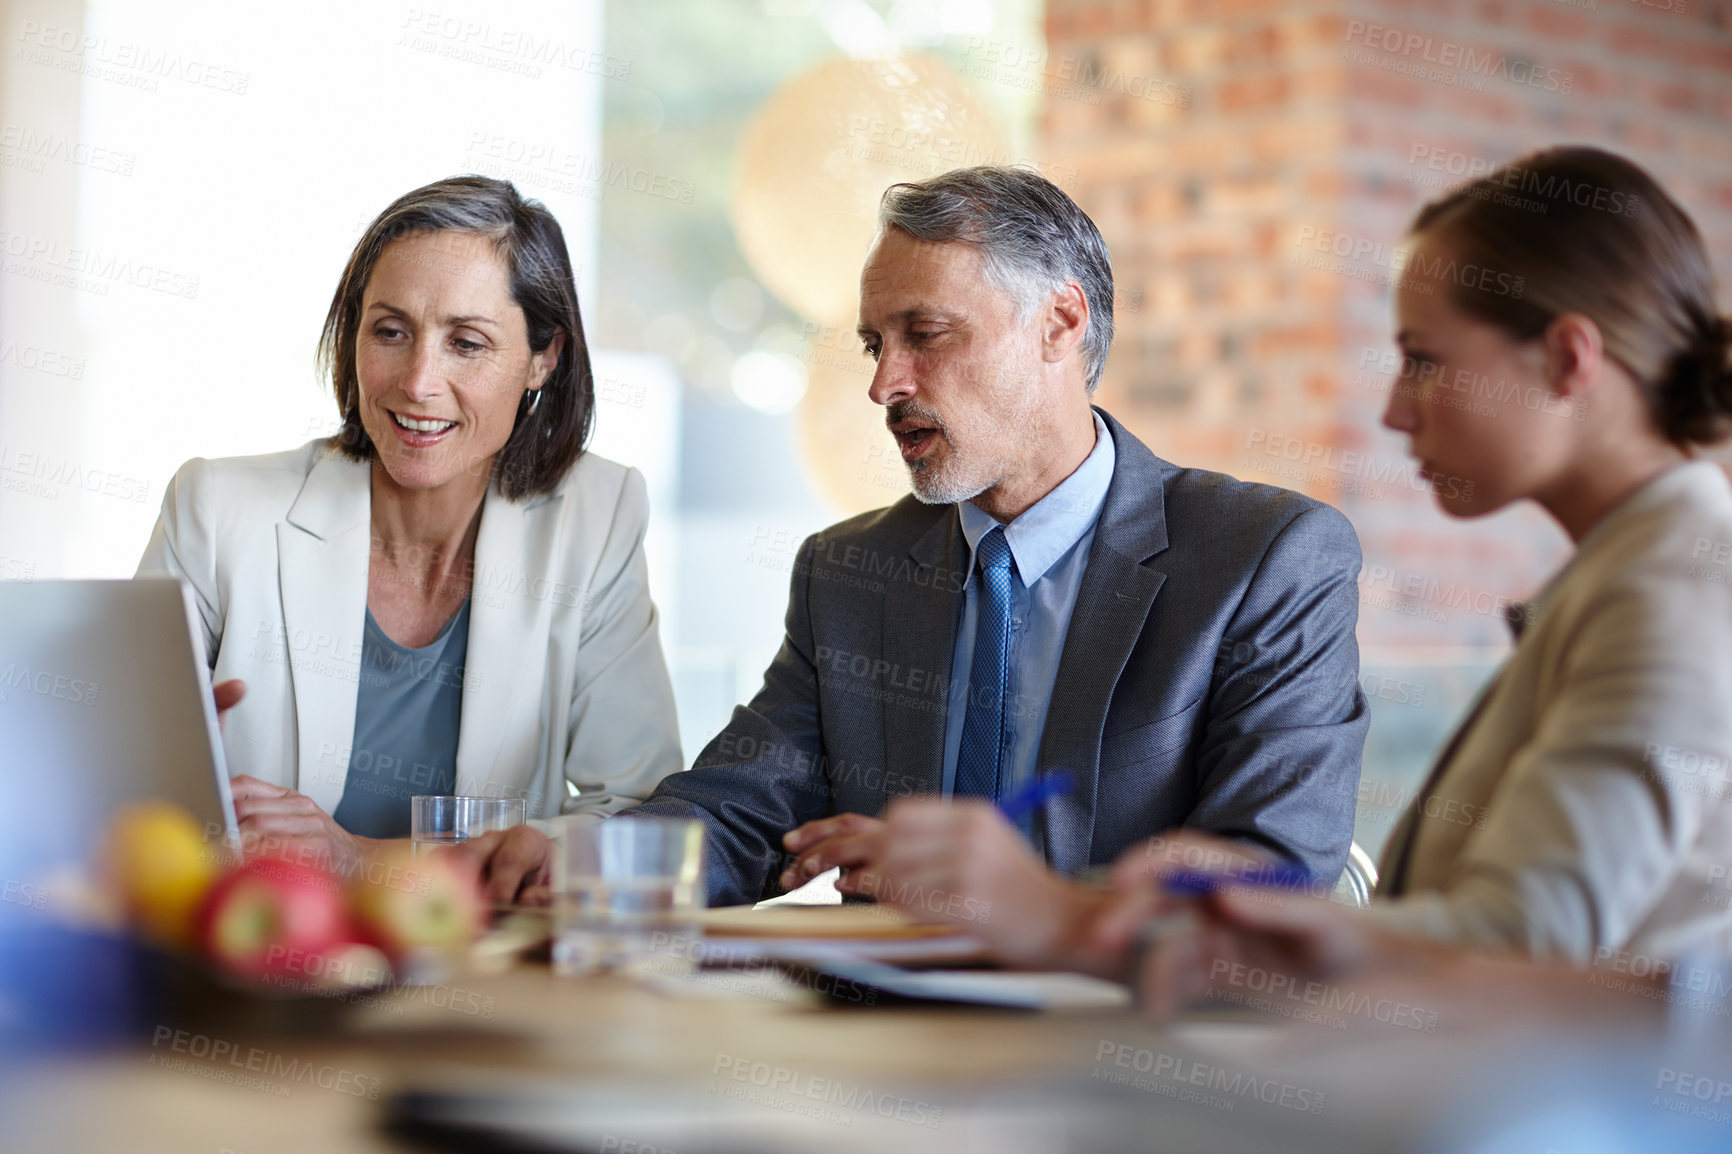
(405, 903)
(273, 918)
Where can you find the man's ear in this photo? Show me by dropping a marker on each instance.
(1065, 324)
(1574, 354)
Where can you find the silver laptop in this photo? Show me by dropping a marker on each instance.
(104, 698)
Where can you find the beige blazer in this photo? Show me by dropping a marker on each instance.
(564, 679)
(1583, 808)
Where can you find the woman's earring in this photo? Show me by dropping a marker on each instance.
(535, 401)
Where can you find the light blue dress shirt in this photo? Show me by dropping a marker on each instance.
(1050, 545)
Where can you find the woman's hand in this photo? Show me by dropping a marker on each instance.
(1137, 874)
(278, 822)
(228, 694)
(1241, 938)
(515, 865)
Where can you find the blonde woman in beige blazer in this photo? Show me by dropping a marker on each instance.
(1583, 812)
(450, 595)
(1585, 807)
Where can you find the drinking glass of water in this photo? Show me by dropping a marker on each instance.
(437, 821)
(626, 895)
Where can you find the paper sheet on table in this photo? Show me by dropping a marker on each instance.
(957, 950)
(1023, 991)
(1036, 991)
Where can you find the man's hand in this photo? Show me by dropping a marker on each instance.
(277, 821)
(849, 840)
(961, 862)
(515, 865)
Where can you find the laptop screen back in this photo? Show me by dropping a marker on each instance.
(104, 699)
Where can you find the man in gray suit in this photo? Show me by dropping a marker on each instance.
(1051, 595)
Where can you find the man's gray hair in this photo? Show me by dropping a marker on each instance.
(1033, 238)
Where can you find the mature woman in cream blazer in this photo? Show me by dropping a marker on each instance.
(1583, 812)
(454, 532)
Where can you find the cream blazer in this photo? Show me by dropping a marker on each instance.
(1583, 808)
(564, 679)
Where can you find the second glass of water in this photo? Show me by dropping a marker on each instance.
(626, 895)
(435, 821)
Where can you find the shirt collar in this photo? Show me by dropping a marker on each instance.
(1048, 528)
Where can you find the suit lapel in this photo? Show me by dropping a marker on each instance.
(322, 555)
(919, 629)
(1112, 604)
(511, 605)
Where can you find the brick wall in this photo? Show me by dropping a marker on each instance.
(1303, 131)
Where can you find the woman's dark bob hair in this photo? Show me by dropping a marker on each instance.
(546, 439)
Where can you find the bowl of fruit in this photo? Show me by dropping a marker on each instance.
(273, 941)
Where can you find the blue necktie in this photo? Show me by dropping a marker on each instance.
(980, 761)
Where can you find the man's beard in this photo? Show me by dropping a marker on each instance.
(947, 484)
(935, 483)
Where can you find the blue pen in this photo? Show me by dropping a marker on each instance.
(1190, 883)
(1036, 793)
(1182, 921)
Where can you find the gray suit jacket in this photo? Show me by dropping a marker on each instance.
(1209, 679)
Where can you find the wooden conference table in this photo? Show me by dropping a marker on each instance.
(607, 1064)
